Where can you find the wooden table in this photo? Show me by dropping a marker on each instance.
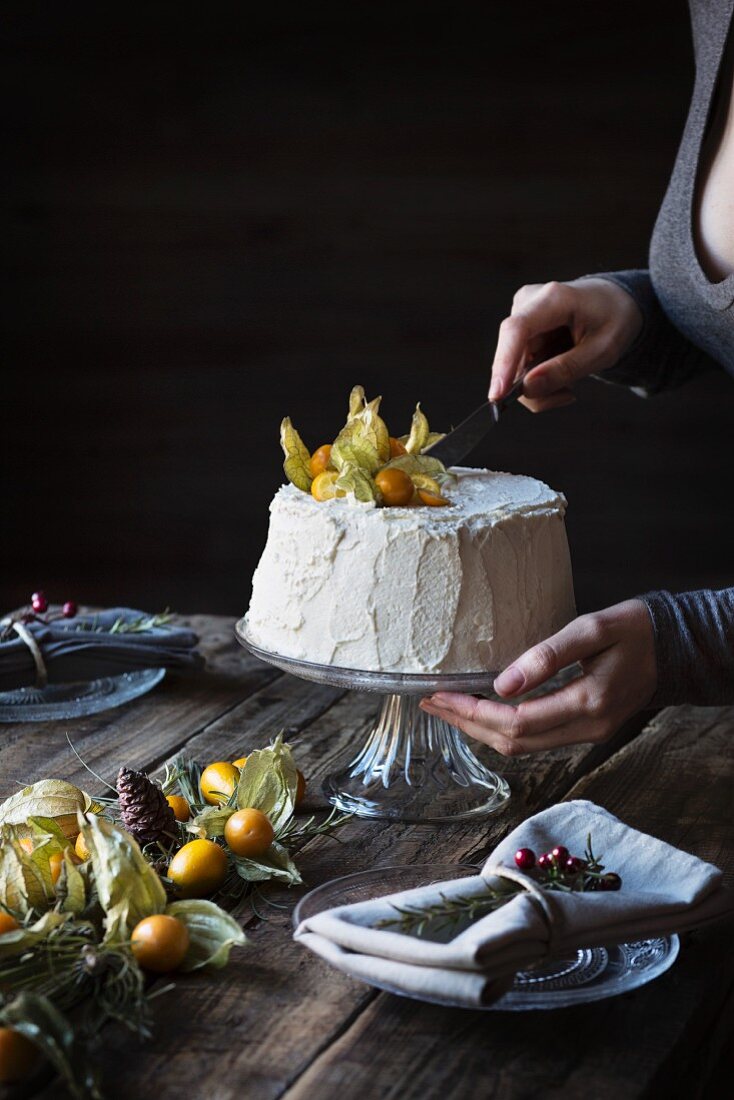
(278, 1022)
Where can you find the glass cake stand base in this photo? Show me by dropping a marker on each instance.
(412, 766)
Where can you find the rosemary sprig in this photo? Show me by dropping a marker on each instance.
(141, 624)
(295, 834)
(182, 776)
(121, 625)
(466, 908)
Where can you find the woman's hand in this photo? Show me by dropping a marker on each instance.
(617, 654)
(597, 320)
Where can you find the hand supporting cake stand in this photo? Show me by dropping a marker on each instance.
(412, 766)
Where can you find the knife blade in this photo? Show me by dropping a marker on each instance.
(461, 440)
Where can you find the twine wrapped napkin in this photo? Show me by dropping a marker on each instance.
(664, 890)
(82, 648)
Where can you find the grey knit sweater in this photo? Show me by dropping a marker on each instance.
(688, 327)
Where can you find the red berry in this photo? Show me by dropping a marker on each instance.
(69, 609)
(573, 865)
(560, 855)
(546, 860)
(39, 603)
(610, 881)
(525, 859)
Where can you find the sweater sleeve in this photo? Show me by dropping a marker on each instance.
(694, 646)
(660, 357)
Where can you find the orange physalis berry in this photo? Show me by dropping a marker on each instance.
(323, 487)
(396, 447)
(320, 459)
(433, 500)
(395, 485)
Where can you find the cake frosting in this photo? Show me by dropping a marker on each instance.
(415, 589)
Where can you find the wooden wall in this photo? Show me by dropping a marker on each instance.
(220, 218)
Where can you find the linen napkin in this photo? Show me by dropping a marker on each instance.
(82, 648)
(664, 890)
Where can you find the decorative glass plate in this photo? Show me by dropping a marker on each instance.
(76, 700)
(589, 974)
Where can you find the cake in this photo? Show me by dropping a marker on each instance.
(462, 588)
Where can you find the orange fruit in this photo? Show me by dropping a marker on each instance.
(159, 943)
(323, 487)
(240, 763)
(395, 485)
(301, 788)
(18, 1056)
(249, 833)
(8, 923)
(180, 807)
(218, 782)
(55, 863)
(396, 448)
(320, 459)
(81, 848)
(26, 844)
(198, 869)
(433, 500)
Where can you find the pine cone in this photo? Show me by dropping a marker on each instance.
(143, 808)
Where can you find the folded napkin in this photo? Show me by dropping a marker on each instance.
(83, 648)
(664, 890)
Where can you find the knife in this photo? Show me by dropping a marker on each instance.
(458, 443)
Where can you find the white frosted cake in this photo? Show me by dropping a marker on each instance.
(412, 589)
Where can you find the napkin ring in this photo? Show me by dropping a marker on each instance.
(499, 870)
(25, 636)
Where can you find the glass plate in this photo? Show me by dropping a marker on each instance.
(76, 700)
(589, 974)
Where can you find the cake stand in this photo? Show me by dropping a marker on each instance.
(412, 766)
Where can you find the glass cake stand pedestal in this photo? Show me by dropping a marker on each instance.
(412, 766)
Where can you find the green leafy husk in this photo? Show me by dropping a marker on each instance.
(211, 821)
(127, 886)
(364, 441)
(49, 798)
(355, 480)
(421, 464)
(419, 432)
(212, 933)
(356, 402)
(297, 464)
(268, 782)
(25, 877)
(276, 864)
(71, 890)
(36, 1017)
(352, 449)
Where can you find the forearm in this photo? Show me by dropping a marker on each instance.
(660, 357)
(694, 646)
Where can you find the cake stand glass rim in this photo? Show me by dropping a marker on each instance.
(395, 683)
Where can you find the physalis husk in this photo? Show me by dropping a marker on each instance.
(297, 457)
(419, 432)
(414, 465)
(356, 402)
(353, 479)
(364, 440)
(424, 481)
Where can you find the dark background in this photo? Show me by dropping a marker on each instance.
(218, 218)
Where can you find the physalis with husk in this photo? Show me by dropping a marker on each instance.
(368, 464)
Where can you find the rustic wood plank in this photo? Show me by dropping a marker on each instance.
(676, 781)
(256, 1029)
